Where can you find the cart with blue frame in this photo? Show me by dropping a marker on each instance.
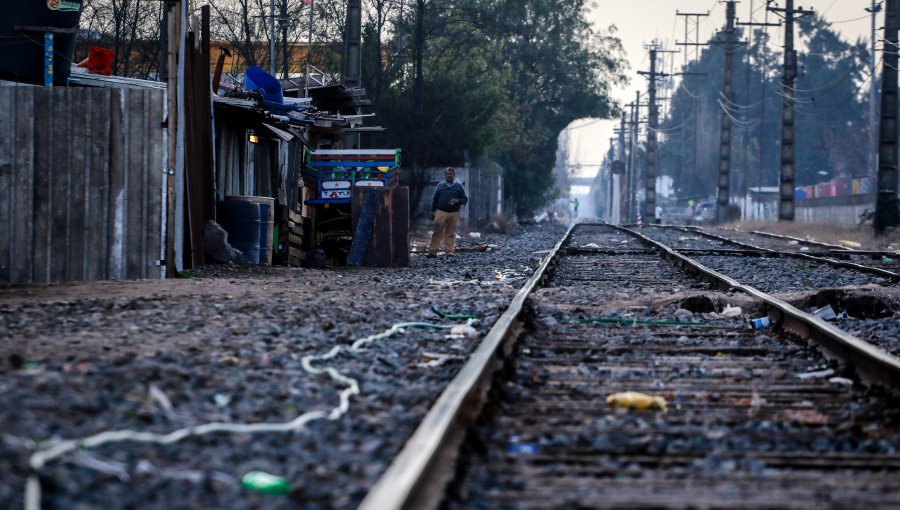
(336, 173)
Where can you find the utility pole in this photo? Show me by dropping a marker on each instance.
(886, 213)
(350, 69)
(788, 163)
(631, 171)
(764, 48)
(691, 29)
(272, 37)
(873, 94)
(621, 151)
(285, 22)
(652, 127)
(692, 47)
(724, 196)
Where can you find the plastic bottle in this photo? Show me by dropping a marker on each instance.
(266, 483)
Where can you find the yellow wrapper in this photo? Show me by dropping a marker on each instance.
(635, 400)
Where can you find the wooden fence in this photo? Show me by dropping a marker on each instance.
(81, 184)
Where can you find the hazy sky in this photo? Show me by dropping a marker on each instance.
(641, 21)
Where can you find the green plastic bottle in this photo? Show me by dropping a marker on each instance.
(266, 483)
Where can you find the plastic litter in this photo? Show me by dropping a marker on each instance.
(475, 235)
(826, 313)
(462, 331)
(590, 245)
(849, 244)
(731, 311)
(523, 448)
(221, 399)
(637, 401)
(683, 315)
(260, 481)
(760, 323)
(841, 380)
(813, 375)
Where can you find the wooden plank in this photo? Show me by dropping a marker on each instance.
(135, 184)
(400, 226)
(41, 210)
(23, 167)
(295, 240)
(380, 245)
(79, 110)
(155, 172)
(60, 181)
(97, 196)
(117, 206)
(8, 216)
(364, 225)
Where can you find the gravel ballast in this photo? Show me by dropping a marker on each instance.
(229, 347)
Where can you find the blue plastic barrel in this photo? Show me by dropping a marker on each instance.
(241, 219)
(266, 223)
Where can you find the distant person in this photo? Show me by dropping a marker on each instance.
(448, 197)
(574, 202)
(657, 215)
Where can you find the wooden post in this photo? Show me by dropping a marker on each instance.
(173, 38)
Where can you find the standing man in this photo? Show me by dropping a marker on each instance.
(448, 197)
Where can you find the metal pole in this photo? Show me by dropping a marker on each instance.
(272, 36)
(308, 49)
(886, 213)
(285, 57)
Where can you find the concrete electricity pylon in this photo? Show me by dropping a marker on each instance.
(788, 162)
(886, 213)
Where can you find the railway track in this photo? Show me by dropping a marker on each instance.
(754, 419)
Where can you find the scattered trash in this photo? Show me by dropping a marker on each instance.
(809, 417)
(826, 313)
(499, 277)
(462, 331)
(101, 465)
(762, 322)
(793, 243)
(636, 400)
(434, 360)
(157, 395)
(886, 259)
(523, 448)
(804, 248)
(849, 244)
(591, 245)
(221, 399)
(841, 380)
(843, 315)
(229, 359)
(683, 315)
(475, 235)
(260, 481)
(731, 311)
(756, 403)
(813, 375)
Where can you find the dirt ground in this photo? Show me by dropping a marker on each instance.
(827, 233)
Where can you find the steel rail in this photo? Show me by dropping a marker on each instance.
(417, 476)
(818, 244)
(890, 275)
(871, 363)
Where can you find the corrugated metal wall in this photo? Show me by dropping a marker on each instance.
(81, 184)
